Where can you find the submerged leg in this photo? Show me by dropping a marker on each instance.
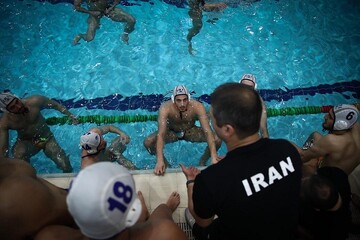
(116, 150)
(53, 151)
(126, 162)
(93, 24)
(24, 150)
(206, 155)
(196, 18)
(119, 15)
(150, 143)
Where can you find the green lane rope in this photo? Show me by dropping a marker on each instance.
(101, 119)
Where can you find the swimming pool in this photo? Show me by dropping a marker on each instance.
(304, 53)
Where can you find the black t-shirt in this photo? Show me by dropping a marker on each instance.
(329, 224)
(254, 191)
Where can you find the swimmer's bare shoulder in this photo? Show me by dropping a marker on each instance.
(4, 123)
(198, 107)
(166, 108)
(36, 100)
(15, 167)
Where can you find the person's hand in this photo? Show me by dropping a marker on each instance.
(109, 12)
(190, 172)
(217, 159)
(159, 168)
(125, 138)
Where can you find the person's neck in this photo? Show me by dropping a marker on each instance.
(236, 142)
(17, 115)
(339, 132)
(88, 159)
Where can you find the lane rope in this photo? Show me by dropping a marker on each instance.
(102, 119)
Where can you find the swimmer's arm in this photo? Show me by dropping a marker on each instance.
(113, 129)
(204, 121)
(162, 125)
(190, 174)
(4, 142)
(52, 104)
(320, 148)
(263, 121)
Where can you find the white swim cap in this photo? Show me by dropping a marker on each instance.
(345, 116)
(249, 77)
(103, 201)
(90, 142)
(180, 90)
(5, 100)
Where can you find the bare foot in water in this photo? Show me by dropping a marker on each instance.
(125, 38)
(76, 39)
(190, 49)
(144, 211)
(173, 201)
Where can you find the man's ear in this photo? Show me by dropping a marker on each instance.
(228, 130)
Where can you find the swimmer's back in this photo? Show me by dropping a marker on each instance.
(345, 150)
(28, 203)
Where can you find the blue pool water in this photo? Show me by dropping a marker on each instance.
(304, 53)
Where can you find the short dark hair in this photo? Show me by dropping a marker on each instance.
(319, 192)
(238, 105)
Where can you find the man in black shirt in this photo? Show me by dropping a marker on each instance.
(255, 189)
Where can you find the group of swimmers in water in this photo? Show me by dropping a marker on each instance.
(176, 121)
(96, 9)
(327, 159)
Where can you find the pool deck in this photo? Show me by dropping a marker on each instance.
(156, 190)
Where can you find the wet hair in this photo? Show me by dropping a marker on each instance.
(238, 105)
(319, 192)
